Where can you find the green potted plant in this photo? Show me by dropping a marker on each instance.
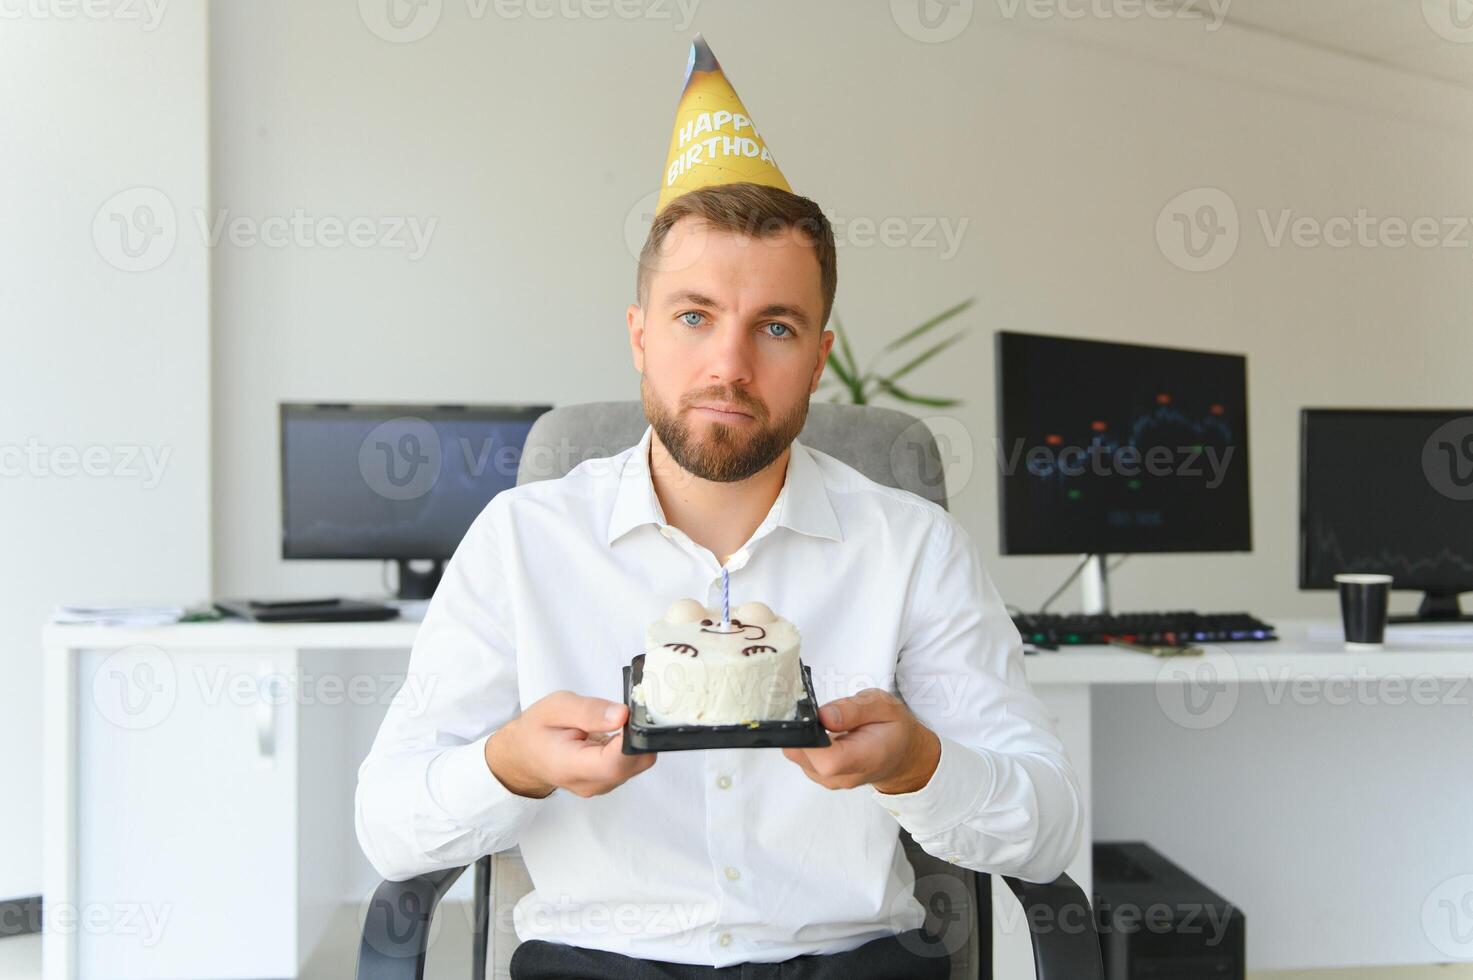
(860, 385)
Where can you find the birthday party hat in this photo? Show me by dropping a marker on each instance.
(714, 140)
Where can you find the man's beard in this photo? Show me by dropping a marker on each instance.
(729, 452)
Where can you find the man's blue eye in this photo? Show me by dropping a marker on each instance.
(690, 313)
(781, 336)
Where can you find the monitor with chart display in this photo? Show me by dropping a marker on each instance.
(1389, 491)
(1117, 448)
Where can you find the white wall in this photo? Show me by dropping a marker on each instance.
(1057, 142)
(530, 142)
(111, 365)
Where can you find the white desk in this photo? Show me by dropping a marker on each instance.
(1330, 816)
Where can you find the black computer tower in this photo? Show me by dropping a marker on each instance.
(1159, 923)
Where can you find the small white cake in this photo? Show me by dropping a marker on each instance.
(698, 673)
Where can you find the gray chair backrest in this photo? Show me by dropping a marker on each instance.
(889, 447)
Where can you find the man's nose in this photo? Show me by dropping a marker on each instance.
(731, 355)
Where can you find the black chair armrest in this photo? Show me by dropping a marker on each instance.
(1061, 923)
(396, 930)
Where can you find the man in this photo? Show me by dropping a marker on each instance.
(720, 863)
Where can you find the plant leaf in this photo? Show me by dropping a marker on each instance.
(848, 352)
(895, 390)
(939, 318)
(922, 358)
(843, 373)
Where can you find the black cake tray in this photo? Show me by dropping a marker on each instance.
(641, 735)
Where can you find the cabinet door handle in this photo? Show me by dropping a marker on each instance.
(269, 688)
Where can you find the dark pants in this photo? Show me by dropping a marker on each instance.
(901, 957)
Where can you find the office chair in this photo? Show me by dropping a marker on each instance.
(889, 447)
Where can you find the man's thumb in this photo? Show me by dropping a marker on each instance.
(586, 714)
(603, 715)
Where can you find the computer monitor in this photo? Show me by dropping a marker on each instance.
(1110, 448)
(1389, 491)
(394, 482)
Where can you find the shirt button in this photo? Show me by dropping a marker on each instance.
(733, 874)
(724, 782)
(724, 939)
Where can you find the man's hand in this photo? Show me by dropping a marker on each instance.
(881, 742)
(559, 741)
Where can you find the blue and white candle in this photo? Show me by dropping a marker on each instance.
(725, 598)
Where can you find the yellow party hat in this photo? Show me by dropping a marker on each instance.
(714, 140)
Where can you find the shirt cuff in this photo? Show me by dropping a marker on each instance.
(963, 778)
(463, 785)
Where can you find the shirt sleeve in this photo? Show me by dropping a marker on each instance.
(1004, 798)
(426, 799)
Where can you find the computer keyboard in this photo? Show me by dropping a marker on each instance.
(1167, 628)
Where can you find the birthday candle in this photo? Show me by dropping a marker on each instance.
(725, 597)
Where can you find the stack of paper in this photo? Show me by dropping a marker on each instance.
(1424, 632)
(119, 615)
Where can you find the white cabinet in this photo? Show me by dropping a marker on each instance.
(199, 750)
(199, 797)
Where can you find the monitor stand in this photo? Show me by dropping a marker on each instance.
(1436, 607)
(1094, 585)
(418, 585)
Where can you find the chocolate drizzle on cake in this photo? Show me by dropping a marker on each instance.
(761, 633)
(683, 648)
(748, 651)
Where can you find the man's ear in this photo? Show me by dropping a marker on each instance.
(635, 318)
(825, 344)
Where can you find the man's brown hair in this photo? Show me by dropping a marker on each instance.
(755, 210)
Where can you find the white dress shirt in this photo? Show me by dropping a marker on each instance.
(721, 856)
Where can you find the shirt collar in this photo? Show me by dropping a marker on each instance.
(803, 504)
